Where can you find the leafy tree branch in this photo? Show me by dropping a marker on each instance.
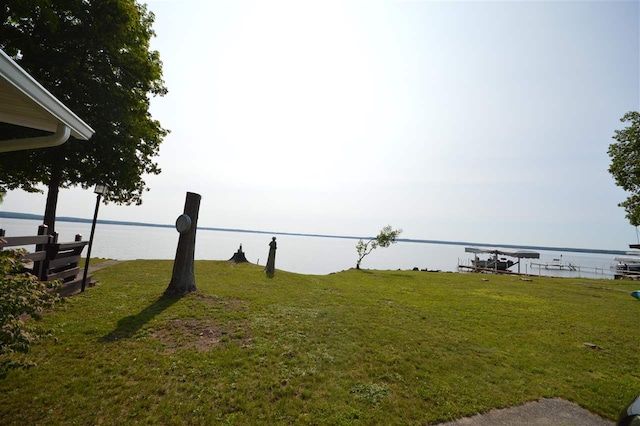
(625, 164)
(95, 57)
(385, 238)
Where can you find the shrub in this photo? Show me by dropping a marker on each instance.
(22, 297)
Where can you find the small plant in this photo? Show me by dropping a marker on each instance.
(22, 296)
(385, 238)
(371, 393)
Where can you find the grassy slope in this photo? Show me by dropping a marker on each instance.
(354, 347)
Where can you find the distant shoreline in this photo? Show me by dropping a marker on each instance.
(30, 216)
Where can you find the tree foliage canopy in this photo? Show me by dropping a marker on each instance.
(385, 238)
(94, 56)
(625, 164)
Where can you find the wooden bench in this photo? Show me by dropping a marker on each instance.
(52, 260)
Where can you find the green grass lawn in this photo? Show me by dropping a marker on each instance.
(356, 347)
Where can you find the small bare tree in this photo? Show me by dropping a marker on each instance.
(385, 238)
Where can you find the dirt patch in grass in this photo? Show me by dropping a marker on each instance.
(202, 335)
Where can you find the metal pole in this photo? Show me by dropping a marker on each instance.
(93, 229)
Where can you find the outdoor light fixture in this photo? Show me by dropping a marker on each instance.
(101, 190)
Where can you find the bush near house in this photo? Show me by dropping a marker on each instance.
(22, 297)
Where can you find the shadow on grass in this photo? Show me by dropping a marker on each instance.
(129, 326)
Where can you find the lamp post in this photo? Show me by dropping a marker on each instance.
(101, 190)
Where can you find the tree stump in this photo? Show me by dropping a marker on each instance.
(183, 280)
(239, 257)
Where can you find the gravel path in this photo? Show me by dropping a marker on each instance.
(544, 412)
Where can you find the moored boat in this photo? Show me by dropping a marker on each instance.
(495, 263)
(627, 264)
(501, 264)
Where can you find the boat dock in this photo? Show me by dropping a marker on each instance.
(472, 268)
(628, 266)
(556, 264)
(497, 261)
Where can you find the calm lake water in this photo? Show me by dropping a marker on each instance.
(301, 254)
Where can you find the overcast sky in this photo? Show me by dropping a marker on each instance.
(459, 121)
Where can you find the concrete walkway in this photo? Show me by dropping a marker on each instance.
(104, 264)
(544, 412)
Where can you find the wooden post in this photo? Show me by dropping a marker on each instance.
(270, 269)
(40, 267)
(183, 280)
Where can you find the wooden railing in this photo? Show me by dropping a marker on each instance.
(51, 260)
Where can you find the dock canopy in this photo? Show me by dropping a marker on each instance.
(627, 259)
(520, 254)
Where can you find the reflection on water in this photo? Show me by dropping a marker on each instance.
(302, 254)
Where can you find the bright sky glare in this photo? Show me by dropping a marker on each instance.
(459, 121)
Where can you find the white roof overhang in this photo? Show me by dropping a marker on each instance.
(24, 102)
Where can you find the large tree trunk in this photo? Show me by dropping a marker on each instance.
(52, 198)
(183, 280)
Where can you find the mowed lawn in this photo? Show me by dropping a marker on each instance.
(355, 347)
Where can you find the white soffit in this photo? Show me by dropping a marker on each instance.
(24, 102)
